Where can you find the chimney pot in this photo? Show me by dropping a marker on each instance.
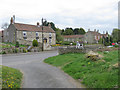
(11, 21)
(38, 24)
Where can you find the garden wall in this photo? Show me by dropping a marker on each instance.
(71, 50)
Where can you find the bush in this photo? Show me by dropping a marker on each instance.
(24, 50)
(35, 43)
(3, 52)
(116, 46)
(17, 44)
(65, 43)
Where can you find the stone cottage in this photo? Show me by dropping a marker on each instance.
(26, 33)
(93, 36)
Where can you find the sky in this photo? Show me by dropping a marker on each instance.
(101, 15)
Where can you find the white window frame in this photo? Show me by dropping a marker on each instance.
(37, 34)
(50, 34)
(25, 34)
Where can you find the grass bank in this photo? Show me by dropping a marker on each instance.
(94, 74)
(11, 78)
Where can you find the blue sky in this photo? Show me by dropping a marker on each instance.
(89, 14)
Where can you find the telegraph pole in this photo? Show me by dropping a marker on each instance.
(42, 37)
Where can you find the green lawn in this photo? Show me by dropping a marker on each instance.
(94, 74)
(11, 78)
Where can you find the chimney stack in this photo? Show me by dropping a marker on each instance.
(38, 24)
(98, 31)
(11, 21)
(13, 18)
(94, 30)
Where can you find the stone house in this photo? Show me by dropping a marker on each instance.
(73, 38)
(1, 36)
(26, 33)
(93, 36)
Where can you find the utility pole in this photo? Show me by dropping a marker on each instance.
(42, 36)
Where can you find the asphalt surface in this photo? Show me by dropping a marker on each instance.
(38, 74)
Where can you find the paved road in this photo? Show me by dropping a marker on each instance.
(38, 74)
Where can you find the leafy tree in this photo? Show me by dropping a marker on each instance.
(76, 31)
(62, 33)
(58, 35)
(68, 31)
(45, 23)
(116, 35)
(35, 43)
(111, 40)
(82, 31)
(79, 31)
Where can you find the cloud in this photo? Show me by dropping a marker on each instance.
(99, 14)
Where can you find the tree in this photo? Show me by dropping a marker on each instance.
(79, 31)
(45, 23)
(111, 40)
(82, 31)
(68, 31)
(58, 35)
(116, 35)
(5, 26)
(76, 31)
(35, 43)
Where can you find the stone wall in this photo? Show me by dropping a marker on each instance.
(70, 50)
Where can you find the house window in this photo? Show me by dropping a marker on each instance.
(36, 34)
(25, 35)
(50, 34)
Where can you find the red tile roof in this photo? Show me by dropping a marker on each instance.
(73, 36)
(27, 27)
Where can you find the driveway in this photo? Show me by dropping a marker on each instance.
(38, 74)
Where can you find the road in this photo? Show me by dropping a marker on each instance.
(38, 74)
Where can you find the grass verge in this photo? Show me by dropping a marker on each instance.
(94, 74)
(11, 78)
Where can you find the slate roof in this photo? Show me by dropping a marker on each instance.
(73, 36)
(27, 27)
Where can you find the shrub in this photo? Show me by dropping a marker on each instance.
(24, 50)
(35, 43)
(17, 44)
(3, 52)
(116, 46)
(65, 43)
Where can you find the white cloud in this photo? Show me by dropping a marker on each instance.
(62, 12)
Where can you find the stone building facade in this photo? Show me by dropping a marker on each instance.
(93, 36)
(25, 34)
(73, 38)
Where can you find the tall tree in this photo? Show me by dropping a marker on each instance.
(82, 31)
(68, 31)
(116, 35)
(76, 31)
(58, 35)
